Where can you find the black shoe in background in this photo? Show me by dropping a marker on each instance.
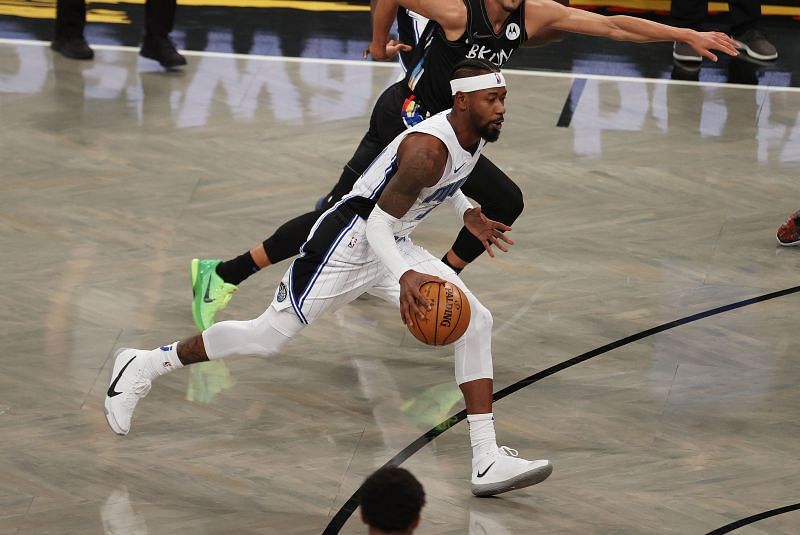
(162, 50)
(756, 45)
(684, 52)
(687, 71)
(73, 48)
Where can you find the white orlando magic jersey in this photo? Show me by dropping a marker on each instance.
(458, 168)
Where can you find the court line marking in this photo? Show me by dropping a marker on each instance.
(393, 65)
(755, 518)
(341, 517)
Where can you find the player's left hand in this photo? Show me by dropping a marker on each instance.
(385, 51)
(489, 232)
(704, 42)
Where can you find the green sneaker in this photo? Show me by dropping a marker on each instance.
(211, 293)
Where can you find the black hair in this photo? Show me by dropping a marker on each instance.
(472, 67)
(391, 499)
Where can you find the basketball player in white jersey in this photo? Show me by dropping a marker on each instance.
(456, 30)
(362, 245)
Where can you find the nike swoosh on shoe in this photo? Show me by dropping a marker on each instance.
(111, 392)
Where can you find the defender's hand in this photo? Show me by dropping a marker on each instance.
(411, 301)
(385, 51)
(489, 232)
(704, 42)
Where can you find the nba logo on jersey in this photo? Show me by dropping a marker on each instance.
(281, 296)
(353, 242)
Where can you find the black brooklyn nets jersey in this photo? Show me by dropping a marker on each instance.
(410, 27)
(428, 74)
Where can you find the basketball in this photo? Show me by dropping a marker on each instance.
(447, 321)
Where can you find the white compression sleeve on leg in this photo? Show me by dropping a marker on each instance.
(474, 349)
(261, 337)
(381, 239)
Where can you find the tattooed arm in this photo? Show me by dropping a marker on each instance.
(421, 160)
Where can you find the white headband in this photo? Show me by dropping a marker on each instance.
(476, 83)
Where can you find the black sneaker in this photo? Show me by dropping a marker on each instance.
(162, 50)
(683, 52)
(73, 48)
(756, 45)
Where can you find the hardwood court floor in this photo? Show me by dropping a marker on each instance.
(659, 201)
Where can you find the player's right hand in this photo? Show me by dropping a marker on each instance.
(385, 51)
(704, 42)
(411, 301)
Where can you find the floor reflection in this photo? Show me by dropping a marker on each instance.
(249, 89)
(119, 516)
(341, 30)
(208, 380)
(712, 111)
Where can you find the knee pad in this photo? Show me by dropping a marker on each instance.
(473, 351)
(482, 318)
(260, 337)
(272, 329)
(285, 321)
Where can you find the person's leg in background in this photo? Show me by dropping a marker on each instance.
(687, 14)
(745, 15)
(385, 123)
(68, 39)
(159, 17)
(214, 281)
(500, 199)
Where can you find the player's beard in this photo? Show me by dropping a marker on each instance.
(485, 130)
(488, 133)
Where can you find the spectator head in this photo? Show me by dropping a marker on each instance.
(391, 501)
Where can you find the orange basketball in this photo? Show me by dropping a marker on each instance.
(447, 321)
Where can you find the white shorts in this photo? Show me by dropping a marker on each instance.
(337, 265)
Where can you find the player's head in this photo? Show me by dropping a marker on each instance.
(479, 90)
(391, 500)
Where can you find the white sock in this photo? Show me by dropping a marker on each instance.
(481, 434)
(163, 360)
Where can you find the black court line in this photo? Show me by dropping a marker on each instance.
(755, 518)
(571, 103)
(338, 521)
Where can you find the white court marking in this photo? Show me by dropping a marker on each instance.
(394, 65)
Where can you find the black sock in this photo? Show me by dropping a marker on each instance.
(451, 266)
(238, 269)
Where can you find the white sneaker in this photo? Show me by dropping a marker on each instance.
(129, 384)
(502, 471)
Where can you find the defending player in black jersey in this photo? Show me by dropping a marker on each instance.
(458, 29)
